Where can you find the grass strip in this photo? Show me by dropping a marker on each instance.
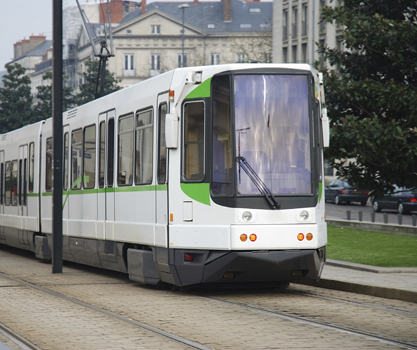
(371, 248)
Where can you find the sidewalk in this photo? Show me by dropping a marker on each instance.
(387, 282)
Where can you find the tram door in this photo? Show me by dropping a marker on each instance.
(2, 189)
(105, 220)
(161, 193)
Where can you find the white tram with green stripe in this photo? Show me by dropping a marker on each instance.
(208, 174)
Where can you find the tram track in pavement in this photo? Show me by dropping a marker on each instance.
(171, 336)
(327, 325)
(20, 342)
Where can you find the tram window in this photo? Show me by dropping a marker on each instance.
(76, 153)
(144, 147)
(89, 159)
(8, 183)
(193, 141)
(31, 166)
(14, 182)
(66, 162)
(102, 140)
(223, 179)
(125, 151)
(25, 181)
(20, 181)
(49, 165)
(110, 152)
(1, 183)
(162, 161)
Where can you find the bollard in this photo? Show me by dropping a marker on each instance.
(360, 214)
(348, 214)
(414, 218)
(400, 219)
(385, 218)
(372, 216)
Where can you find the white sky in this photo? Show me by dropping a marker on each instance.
(20, 19)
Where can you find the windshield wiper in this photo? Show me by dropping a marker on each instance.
(257, 181)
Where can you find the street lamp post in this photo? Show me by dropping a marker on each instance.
(183, 7)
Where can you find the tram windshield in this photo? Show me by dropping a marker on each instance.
(267, 145)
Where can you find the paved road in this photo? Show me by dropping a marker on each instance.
(334, 211)
(86, 308)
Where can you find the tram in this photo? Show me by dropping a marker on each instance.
(205, 174)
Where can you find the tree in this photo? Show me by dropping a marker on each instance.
(88, 89)
(371, 91)
(43, 106)
(15, 99)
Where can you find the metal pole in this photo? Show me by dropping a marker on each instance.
(312, 31)
(57, 137)
(182, 58)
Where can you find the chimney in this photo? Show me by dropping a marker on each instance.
(17, 49)
(195, 2)
(227, 10)
(143, 6)
(116, 11)
(25, 46)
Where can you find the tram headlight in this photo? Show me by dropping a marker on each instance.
(304, 215)
(247, 216)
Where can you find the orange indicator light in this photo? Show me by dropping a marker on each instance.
(243, 237)
(309, 236)
(252, 237)
(300, 236)
(171, 217)
(171, 95)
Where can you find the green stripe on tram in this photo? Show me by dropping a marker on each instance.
(202, 90)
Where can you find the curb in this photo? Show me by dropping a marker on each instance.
(376, 291)
(405, 230)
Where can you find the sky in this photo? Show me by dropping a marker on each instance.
(19, 19)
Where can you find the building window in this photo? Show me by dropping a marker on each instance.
(129, 32)
(255, 10)
(246, 25)
(304, 52)
(180, 62)
(215, 58)
(129, 67)
(285, 55)
(210, 26)
(156, 62)
(156, 29)
(285, 25)
(294, 54)
(242, 58)
(294, 22)
(304, 21)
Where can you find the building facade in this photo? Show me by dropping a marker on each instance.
(297, 30)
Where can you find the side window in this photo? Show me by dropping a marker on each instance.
(110, 152)
(25, 181)
(65, 162)
(76, 156)
(14, 182)
(89, 158)
(1, 183)
(193, 164)
(102, 155)
(144, 147)
(162, 160)
(31, 166)
(21, 180)
(125, 151)
(8, 183)
(49, 165)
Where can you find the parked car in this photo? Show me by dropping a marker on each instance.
(400, 198)
(340, 191)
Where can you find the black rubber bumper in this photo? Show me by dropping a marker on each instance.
(248, 266)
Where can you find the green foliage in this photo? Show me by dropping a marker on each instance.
(88, 89)
(43, 106)
(15, 99)
(371, 89)
(371, 248)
